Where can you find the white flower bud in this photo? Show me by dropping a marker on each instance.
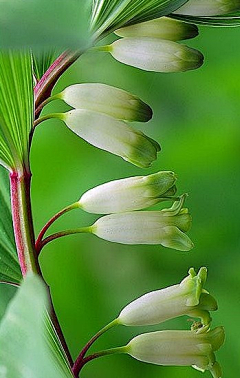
(179, 348)
(113, 136)
(208, 7)
(106, 99)
(187, 298)
(128, 194)
(153, 54)
(163, 27)
(163, 227)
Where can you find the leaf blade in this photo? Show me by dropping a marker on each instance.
(232, 20)
(28, 353)
(9, 266)
(16, 106)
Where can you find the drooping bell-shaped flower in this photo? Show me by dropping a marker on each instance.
(166, 227)
(187, 298)
(108, 100)
(179, 348)
(112, 135)
(153, 54)
(133, 193)
(208, 7)
(163, 28)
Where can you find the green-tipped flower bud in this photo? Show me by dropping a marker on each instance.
(179, 348)
(153, 54)
(166, 227)
(111, 135)
(133, 193)
(105, 99)
(187, 298)
(163, 27)
(209, 7)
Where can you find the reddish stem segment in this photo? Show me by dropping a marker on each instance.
(22, 221)
(50, 222)
(24, 235)
(81, 359)
(45, 85)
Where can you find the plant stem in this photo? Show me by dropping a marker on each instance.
(24, 235)
(107, 352)
(61, 234)
(45, 85)
(79, 361)
(22, 221)
(52, 220)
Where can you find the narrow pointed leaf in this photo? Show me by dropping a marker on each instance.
(16, 107)
(42, 61)
(29, 346)
(224, 20)
(109, 15)
(9, 266)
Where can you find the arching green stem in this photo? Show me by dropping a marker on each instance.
(107, 352)
(78, 363)
(61, 234)
(66, 209)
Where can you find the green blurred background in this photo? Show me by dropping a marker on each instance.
(196, 120)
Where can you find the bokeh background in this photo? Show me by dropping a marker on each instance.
(196, 121)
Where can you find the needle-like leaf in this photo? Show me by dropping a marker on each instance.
(16, 107)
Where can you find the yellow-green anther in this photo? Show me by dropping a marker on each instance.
(179, 348)
(153, 54)
(108, 100)
(112, 135)
(146, 227)
(163, 28)
(208, 7)
(187, 298)
(133, 193)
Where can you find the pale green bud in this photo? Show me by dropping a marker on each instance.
(187, 298)
(128, 194)
(209, 7)
(153, 54)
(163, 27)
(179, 348)
(166, 227)
(112, 135)
(106, 99)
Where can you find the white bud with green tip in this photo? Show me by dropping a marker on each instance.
(106, 99)
(179, 348)
(112, 135)
(166, 227)
(133, 193)
(153, 54)
(209, 7)
(187, 298)
(163, 28)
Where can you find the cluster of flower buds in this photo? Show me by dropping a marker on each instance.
(120, 199)
(193, 347)
(152, 46)
(100, 117)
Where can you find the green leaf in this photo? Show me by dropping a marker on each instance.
(223, 20)
(109, 15)
(42, 61)
(9, 266)
(6, 294)
(44, 23)
(16, 107)
(29, 345)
